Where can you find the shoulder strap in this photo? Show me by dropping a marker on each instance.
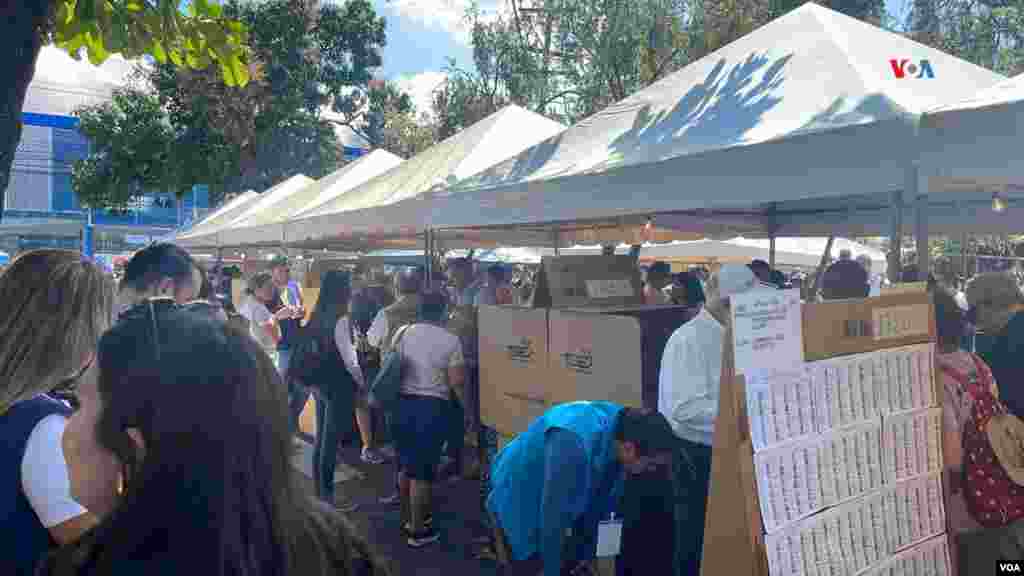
(398, 336)
(964, 379)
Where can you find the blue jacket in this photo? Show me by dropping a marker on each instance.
(24, 540)
(517, 476)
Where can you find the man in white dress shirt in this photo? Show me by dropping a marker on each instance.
(689, 383)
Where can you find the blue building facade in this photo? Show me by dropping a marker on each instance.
(40, 194)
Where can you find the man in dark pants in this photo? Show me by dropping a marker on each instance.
(288, 294)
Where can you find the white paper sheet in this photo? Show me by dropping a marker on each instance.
(778, 406)
(866, 534)
(929, 558)
(767, 330)
(803, 477)
(911, 444)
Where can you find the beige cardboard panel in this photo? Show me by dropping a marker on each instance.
(510, 415)
(855, 326)
(595, 357)
(513, 366)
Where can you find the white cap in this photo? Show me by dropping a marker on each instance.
(735, 279)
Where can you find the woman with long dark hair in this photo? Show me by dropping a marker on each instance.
(181, 447)
(335, 380)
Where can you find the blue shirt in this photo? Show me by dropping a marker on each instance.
(560, 473)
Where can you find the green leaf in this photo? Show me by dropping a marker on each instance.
(158, 51)
(176, 57)
(94, 47)
(85, 10)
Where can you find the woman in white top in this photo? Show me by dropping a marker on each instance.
(433, 368)
(56, 305)
(335, 380)
(262, 324)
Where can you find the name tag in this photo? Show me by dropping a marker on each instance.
(609, 537)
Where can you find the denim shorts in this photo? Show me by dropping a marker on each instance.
(421, 426)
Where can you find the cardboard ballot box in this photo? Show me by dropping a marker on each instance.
(583, 337)
(513, 366)
(587, 281)
(844, 327)
(609, 354)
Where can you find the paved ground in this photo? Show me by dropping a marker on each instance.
(456, 515)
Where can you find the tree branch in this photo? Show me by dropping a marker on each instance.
(358, 131)
(661, 67)
(551, 99)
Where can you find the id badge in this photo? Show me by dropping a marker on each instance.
(609, 537)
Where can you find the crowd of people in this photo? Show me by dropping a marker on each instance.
(149, 427)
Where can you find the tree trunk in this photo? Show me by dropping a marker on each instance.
(24, 23)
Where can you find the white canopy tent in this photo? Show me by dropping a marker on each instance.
(221, 215)
(499, 136)
(271, 198)
(974, 146)
(803, 118)
(209, 237)
(267, 227)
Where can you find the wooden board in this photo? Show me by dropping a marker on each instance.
(733, 542)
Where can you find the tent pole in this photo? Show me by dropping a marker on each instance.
(428, 257)
(921, 234)
(826, 257)
(896, 230)
(964, 238)
(771, 251)
(554, 240)
(772, 228)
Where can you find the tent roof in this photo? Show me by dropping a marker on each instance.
(329, 187)
(808, 106)
(209, 236)
(1005, 93)
(266, 226)
(222, 214)
(974, 144)
(269, 201)
(505, 133)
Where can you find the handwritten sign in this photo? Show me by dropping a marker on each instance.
(901, 321)
(767, 331)
(616, 288)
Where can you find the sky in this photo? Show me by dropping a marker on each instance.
(423, 34)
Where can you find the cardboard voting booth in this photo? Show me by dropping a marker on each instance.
(609, 353)
(513, 366)
(827, 451)
(584, 336)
